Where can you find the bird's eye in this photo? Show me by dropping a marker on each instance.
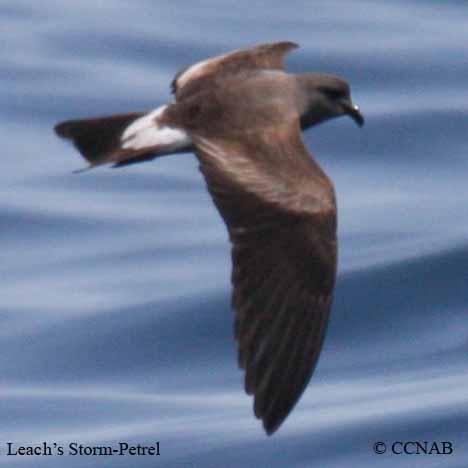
(333, 93)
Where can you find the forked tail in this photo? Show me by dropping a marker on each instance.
(124, 139)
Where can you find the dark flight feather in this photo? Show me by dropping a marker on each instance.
(282, 271)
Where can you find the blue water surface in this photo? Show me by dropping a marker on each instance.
(115, 316)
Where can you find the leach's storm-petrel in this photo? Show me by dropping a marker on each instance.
(243, 115)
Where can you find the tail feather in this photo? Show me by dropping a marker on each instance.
(123, 139)
(98, 140)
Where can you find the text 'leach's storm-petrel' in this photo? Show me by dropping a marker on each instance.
(243, 116)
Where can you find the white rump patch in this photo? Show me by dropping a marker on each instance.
(146, 132)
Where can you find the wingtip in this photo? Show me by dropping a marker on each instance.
(293, 45)
(271, 421)
(269, 429)
(281, 46)
(288, 45)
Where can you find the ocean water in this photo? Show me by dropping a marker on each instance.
(115, 317)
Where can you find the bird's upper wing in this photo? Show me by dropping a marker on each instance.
(279, 208)
(264, 56)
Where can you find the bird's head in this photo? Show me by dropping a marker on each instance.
(324, 97)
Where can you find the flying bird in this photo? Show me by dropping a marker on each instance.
(243, 116)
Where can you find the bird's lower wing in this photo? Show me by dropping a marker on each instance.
(279, 209)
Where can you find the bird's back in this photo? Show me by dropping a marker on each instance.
(246, 101)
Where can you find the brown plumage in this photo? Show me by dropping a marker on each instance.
(243, 116)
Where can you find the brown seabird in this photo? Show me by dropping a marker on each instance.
(242, 115)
